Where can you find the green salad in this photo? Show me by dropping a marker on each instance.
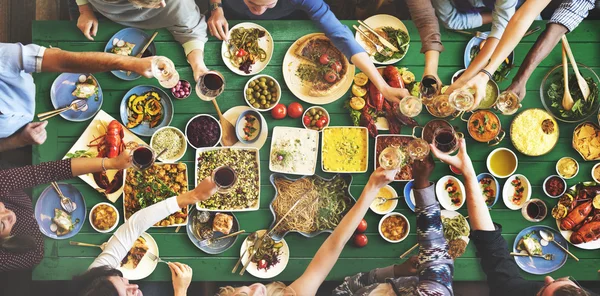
(582, 108)
(399, 39)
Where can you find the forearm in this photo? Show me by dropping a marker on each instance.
(515, 30)
(11, 143)
(82, 166)
(364, 64)
(432, 58)
(423, 15)
(480, 218)
(56, 60)
(32, 175)
(479, 61)
(540, 50)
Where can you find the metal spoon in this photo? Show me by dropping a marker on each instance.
(76, 105)
(383, 200)
(549, 236)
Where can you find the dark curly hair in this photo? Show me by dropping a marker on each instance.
(95, 282)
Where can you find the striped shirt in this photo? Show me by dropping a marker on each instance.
(571, 12)
(436, 268)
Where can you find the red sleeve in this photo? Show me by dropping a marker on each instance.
(32, 175)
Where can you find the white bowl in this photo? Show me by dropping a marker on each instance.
(563, 181)
(392, 207)
(317, 108)
(595, 166)
(207, 115)
(442, 194)
(576, 163)
(116, 222)
(394, 214)
(490, 156)
(180, 154)
(276, 85)
(508, 191)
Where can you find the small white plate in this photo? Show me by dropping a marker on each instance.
(284, 257)
(265, 43)
(232, 115)
(443, 196)
(378, 21)
(146, 266)
(508, 190)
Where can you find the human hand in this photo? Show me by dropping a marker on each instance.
(181, 274)
(434, 74)
(477, 84)
(196, 60)
(217, 24)
(142, 66)
(87, 22)
(394, 95)
(422, 170)
(34, 133)
(461, 161)
(407, 268)
(205, 189)
(381, 177)
(517, 88)
(121, 162)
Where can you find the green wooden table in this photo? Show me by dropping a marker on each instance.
(62, 261)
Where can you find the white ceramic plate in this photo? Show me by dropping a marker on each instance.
(452, 214)
(294, 83)
(90, 133)
(310, 149)
(508, 190)
(146, 266)
(593, 245)
(284, 257)
(443, 196)
(265, 43)
(378, 21)
(232, 115)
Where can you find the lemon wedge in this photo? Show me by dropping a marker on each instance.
(361, 79)
(358, 91)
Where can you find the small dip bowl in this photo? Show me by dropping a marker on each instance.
(241, 125)
(93, 211)
(389, 206)
(195, 119)
(179, 154)
(309, 114)
(394, 214)
(554, 179)
(182, 90)
(507, 153)
(596, 168)
(560, 167)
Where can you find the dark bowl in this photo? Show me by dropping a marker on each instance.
(279, 236)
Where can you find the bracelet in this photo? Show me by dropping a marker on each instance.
(103, 168)
(484, 71)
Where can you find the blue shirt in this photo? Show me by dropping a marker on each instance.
(317, 10)
(17, 90)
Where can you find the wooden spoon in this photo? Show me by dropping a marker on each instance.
(585, 88)
(567, 101)
(229, 138)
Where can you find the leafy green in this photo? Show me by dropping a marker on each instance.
(582, 108)
(354, 114)
(82, 154)
(399, 39)
(502, 70)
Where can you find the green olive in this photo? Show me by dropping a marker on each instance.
(269, 96)
(262, 97)
(251, 84)
(252, 100)
(271, 83)
(265, 92)
(274, 94)
(256, 95)
(313, 122)
(263, 102)
(249, 91)
(257, 88)
(317, 116)
(312, 111)
(262, 85)
(262, 79)
(256, 105)
(320, 112)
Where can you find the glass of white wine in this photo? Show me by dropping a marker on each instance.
(410, 106)
(462, 99)
(418, 149)
(392, 158)
(164, 70)
(508, 103)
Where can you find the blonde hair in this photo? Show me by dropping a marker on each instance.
(273, 289)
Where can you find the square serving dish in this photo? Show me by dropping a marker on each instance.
(300, 145)
(345, 139)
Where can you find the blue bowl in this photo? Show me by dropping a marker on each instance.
(61, 96)
(483, 175)
(239, 126)
(216, 247)
(137, 37)
(278, 236)
(541, 266)
(144, 129)
(407, 189)
(49, 200)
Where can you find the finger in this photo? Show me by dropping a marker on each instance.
(221, 32)
(440, 155)
(40, 127)
(176, 268)
(226, 25)
(86, 31)
(212, 30)
(94, 28)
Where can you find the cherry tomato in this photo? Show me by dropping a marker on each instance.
(337, 66)
(324, 59)
(262, 264)
(279, 112)
(330, 76)
(325, 119)
(306, 120)
(320, 123)
(362, 226)
(241, 52)
(295, 110)
(360, 240)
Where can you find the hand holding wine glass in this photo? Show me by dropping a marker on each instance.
(461, 161)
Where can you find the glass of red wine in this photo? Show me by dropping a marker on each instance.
(210, 85)
(143, 157)
(534, 210)
(446, 139)
(225, 178)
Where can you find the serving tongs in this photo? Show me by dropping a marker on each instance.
(381, 39)
(141, 53)
(378, 47)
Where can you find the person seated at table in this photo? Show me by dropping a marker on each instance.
(434, 271)
(564, 20)
(21, 242)
(503, 274)
(181, 17)
(17, 88)
(102, 277)
(319, 12)
(471, 14)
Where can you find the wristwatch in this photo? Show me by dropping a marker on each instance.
(214, 6)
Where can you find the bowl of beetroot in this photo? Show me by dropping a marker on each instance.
(182, 90)
(202, 131)
(555, 186)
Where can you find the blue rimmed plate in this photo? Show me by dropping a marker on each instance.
(277, 236)
(495, 186)
(409, 195)
(61, 96)
(144, 129)
(217, 247)
(536, 265)
(137, 37)
(49, 200)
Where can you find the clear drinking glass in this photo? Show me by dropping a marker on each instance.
(446, 139)
(143, 157)
(534, 210)
(210, 85)
(508, 103)
(441, 107)
(410, 106)
(428, 89)
(462, 99)
(418, 149)
(225, 178)
(392, 157)
(164, 70)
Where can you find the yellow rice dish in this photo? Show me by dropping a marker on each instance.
(534, 132)
(345, 149)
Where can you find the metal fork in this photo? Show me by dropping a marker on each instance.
(548, 257)
(65, 202)
(155, 258)
(380, 49)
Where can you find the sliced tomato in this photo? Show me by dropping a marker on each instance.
(330, 76)
(324, 59)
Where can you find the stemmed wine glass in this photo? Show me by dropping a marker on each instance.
(164, 70)
(392, 157)
(210, 85)
(418, 149)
